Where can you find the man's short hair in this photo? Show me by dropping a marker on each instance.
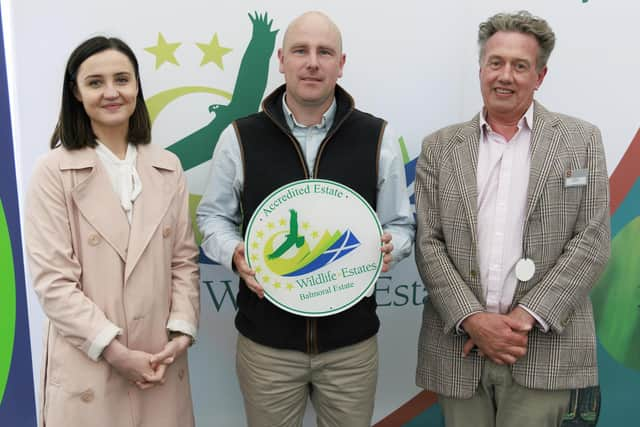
(520, 22)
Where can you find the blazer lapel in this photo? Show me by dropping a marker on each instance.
(544, 146)
(96, 200)
(465, 159)
(150, 206)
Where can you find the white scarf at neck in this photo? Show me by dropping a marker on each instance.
(124, 176)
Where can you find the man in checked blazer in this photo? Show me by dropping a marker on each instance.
(512, 233)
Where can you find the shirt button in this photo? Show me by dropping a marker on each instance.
(166, 232)
(94, 239)
(87, 396)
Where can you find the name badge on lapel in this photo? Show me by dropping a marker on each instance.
(576, 178)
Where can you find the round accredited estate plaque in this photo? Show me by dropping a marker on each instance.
(315, 247)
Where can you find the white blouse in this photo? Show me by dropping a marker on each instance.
(124, 176)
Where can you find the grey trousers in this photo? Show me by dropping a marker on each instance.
(501, 402)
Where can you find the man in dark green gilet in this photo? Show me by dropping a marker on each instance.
(309, 128)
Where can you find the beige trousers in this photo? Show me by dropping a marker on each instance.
(276, 384)
(501, 402)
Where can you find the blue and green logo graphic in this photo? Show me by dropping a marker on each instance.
(616, 297)
(315, 247)
(7, 302)
(303, 258)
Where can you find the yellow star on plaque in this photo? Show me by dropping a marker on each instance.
(282, 222)
(276, 285)
(258, 269)
(163, 51)
(213, 52)
(305, 225)
(254, 258)
(266, 279)
(260, 234)
(289, 286)
(255, 245)
(270, 225)
(315, 234)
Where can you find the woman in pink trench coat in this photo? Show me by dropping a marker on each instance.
(119, 286)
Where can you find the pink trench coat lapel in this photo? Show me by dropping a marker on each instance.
(150, 206)
(102, 208)
(99, 207)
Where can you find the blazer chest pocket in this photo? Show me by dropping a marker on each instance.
(563, 199)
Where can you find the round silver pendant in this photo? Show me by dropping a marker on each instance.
(525, 269)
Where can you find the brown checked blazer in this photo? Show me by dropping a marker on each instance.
(567, 234)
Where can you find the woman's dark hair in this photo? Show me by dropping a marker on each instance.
(73, 129)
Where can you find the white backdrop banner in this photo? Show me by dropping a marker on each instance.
(414, 63)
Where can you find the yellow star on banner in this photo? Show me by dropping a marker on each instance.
(305, 225)
(163, 51)
(260, 234)
(254, 258)
(258, 269)
(270, 225)
(255, 245)
(282, 222)
(315, 234)
(276, 285)
(289, 286)
(266, 279)
(213, 52)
